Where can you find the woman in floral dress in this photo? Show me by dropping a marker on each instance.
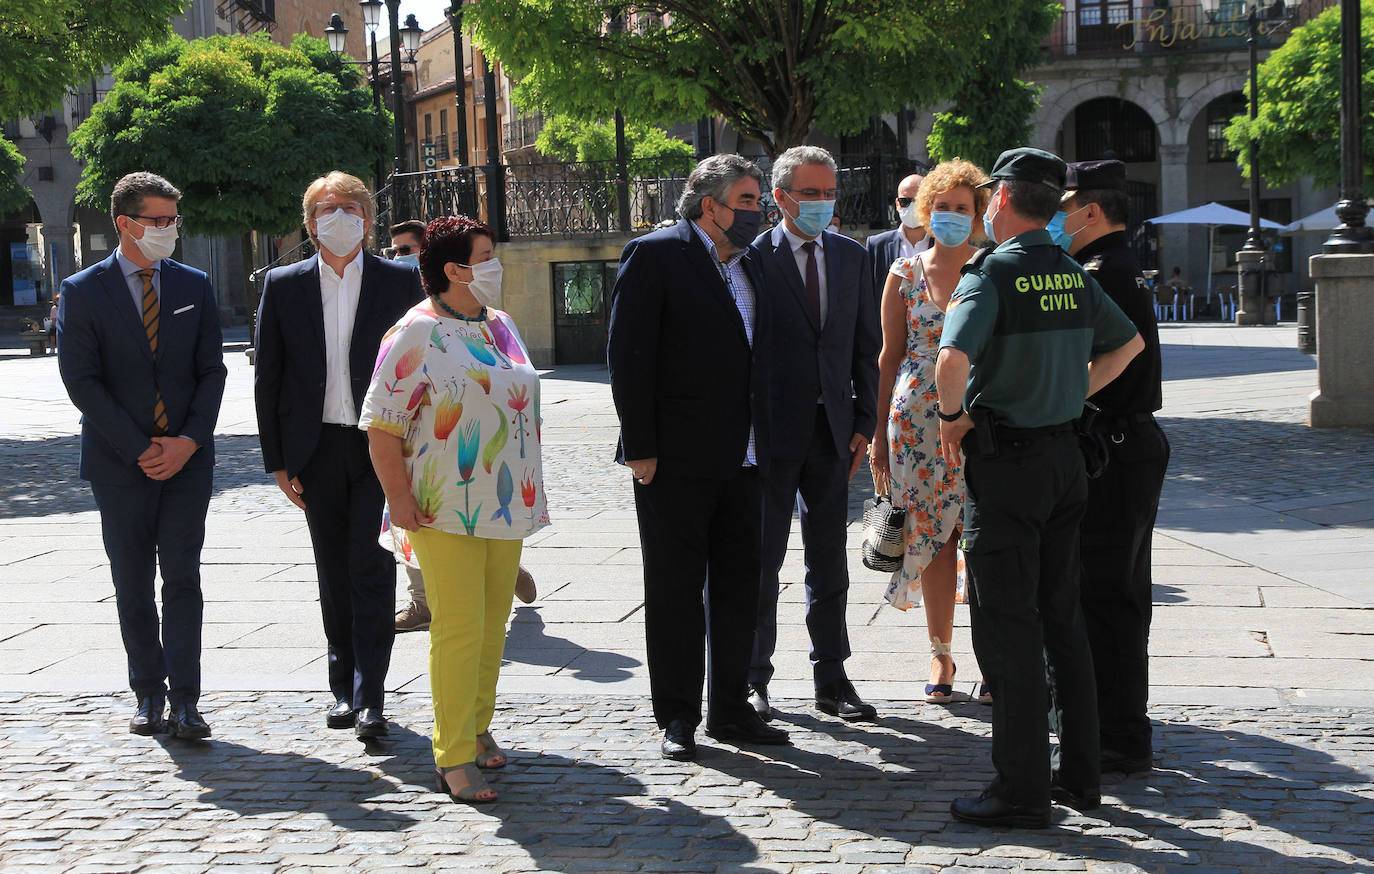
(905, 452)
(452, 418)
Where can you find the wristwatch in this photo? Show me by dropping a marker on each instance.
(949, 417)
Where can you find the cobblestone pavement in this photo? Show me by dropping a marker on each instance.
(586, 791)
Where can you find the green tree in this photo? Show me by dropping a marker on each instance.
(47, 46)
(773, 70)
(992, 112)
(1298, 126)
(565, 139)
(240, 124)
(13, 196)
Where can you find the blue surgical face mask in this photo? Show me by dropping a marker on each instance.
(412, 258)
(1062, 238)
(950, 228)
(813, 216)
(988, 216)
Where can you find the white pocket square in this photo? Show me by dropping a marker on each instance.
(189, 306)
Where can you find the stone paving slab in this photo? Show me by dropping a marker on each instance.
(275, 791)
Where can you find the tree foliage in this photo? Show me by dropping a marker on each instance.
(13, 196)
(47, 46)
(992, 111)
(565, 139)
(772, 69)
(238, 123)
(1297, 130)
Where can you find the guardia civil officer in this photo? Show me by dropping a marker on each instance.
(1120, 519)
(1028, 336)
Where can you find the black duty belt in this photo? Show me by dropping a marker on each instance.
(1123, 422)
(1006, 432)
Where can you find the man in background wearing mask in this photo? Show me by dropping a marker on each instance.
(1119, 522)
(822, 409)
(309, 387)
(406, 238)
(142, 358)
(906, 240)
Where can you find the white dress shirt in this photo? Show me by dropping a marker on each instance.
(135, 282)
(800, 254)
(742, 290)
(908, 249)
(340, 297)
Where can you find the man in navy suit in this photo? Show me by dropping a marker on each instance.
(906, 240)
(320, 323)
(688, 326)
(141, 355)
(822, 410)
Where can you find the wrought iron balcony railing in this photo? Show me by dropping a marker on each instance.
(1094, 28)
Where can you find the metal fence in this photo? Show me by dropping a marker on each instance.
(1117, 27)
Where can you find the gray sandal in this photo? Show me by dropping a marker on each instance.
(476, 784)
(491, 751)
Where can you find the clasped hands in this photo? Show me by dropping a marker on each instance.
(166, 456)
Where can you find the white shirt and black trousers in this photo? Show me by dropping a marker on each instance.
(317, 338)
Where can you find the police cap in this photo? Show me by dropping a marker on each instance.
(1028, 165)
(1096, 176)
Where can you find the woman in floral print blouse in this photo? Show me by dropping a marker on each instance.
(906, 447)
(452, 418)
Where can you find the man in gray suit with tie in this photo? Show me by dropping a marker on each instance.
(823, 390)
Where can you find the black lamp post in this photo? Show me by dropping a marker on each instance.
(337, 34)
(1254, 241)
(411, 35)
(460, 81)
(1352, 236)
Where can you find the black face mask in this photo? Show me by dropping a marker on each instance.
(744, 228)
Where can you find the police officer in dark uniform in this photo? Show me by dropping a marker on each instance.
(1120, 519)
(1028, 336)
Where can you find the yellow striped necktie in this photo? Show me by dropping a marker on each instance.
(150, 324)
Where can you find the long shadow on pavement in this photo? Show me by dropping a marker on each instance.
(1199, 362)
(527, 643)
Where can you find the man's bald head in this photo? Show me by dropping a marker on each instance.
(910, 185)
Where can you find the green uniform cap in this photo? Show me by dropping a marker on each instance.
(1029, 165)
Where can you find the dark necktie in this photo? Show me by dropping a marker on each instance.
(813, 282)
(150, 324)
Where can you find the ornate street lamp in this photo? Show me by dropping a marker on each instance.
(337, 33)
(1353, 236)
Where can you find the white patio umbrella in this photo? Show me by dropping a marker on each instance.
(1321, 220)
(1214, 216)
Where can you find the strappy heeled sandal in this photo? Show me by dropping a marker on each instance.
(941, 693)
(490, 751)
(476, 785)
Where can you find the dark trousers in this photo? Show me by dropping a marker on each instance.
(818, 488)
(147, 526)
(1021, 519)
(700, 542)
(343, 509)
(1117, 530)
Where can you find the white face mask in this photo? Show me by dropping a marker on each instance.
(908, 215)
(486, 281)
(339, 232)
(157, 243)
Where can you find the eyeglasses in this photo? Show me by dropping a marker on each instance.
(816, 193)
(157, 221)
(904, 202)
(329, 207)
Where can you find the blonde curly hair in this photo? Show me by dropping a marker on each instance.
(947, 176)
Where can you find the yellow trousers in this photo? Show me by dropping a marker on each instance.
(469, 582)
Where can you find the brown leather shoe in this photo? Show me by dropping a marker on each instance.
(524, 586)
(413, 617)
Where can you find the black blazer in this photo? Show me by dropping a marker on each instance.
(686, 383)
(883, 249)
(836, 362)
(113, 378)
(289, 378)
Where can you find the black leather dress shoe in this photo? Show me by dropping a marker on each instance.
(747, 728)
(148, 718)
(1116, 762)
(187, 723)
(678, 743)
(341, 715)
(989, 810)
(840, 699)
(371, 723)
(1080, 801)
(758, 699)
